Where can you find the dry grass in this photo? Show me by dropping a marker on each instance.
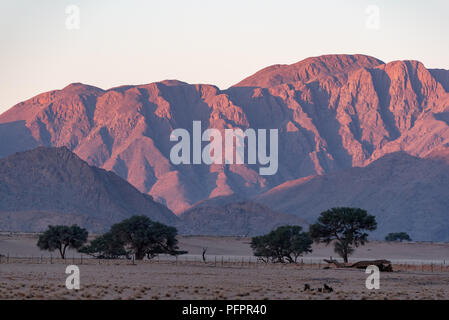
(190, 280)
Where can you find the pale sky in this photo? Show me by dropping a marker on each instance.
(202, 41)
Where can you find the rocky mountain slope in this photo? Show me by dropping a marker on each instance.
(53, 186)
(405, 193)
(333, 112)
(228, 216)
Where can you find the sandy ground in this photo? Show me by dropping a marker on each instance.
(24, 245)
(189, 280)
(42, 278)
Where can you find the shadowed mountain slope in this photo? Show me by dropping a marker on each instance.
(52, 185)
(228, 217)
(405, 193)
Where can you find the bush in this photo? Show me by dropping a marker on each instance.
(398, 236)
(285, 244)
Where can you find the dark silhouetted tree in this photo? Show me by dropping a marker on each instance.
(137, 235)
(346, 226)
(61, 238)
(398, 236)
(105, 246)
(285, 244)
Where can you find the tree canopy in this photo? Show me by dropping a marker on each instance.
(285, 244)
(61, 238)
(106, 246)
(137, 235)
(347, 226)
(398, 236)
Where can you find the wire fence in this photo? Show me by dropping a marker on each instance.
(218, 261)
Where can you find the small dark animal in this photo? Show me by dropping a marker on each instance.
(327, 288)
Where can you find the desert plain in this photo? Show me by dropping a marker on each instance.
(421, 271)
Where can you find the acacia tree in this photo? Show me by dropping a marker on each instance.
(285, 244)
(261, 248)
(137, 235)
(346, 226)
(61, 238)
(106, 246)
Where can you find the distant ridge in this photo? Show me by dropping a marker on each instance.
(227, 217)
(52, 185)
(405, 193)
(310, 69)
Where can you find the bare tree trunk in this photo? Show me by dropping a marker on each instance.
(62, 250)
(140, 254)
(61, 253)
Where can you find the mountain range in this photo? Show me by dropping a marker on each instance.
(403, 192)
(49, 185)
(53, 186)
(333, 113)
